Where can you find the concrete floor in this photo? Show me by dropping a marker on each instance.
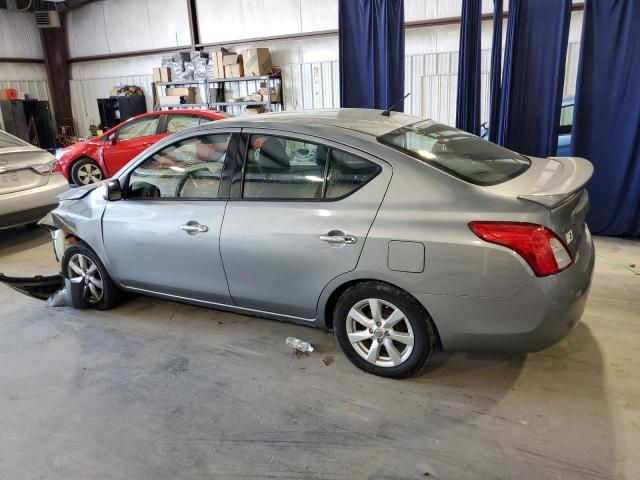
(157, 390)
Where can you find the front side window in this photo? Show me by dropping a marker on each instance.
(280, 168)
(188, 169)
(176, 123)
(459, 153)
(139, 128)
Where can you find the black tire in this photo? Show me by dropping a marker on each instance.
(111, 296)
(417, 320)
(77, 173)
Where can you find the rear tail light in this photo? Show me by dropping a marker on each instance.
(45, 168)
(545, 253)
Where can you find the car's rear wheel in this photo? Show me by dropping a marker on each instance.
(91, 284)
(86, 171)
(383, 330)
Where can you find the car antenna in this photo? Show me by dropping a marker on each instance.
(387, 112)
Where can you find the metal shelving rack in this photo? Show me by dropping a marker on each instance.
(218, 85)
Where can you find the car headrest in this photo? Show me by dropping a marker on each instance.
(143, 190)
(273, 156)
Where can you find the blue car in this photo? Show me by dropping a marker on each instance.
(564, 130)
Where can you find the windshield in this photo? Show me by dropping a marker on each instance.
(7, 141)
(459, 153)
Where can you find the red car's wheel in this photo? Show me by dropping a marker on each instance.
(86, 171)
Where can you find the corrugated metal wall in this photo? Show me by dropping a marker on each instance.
(309, 65)
(85, 94)
(431, 79)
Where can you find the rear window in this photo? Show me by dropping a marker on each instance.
(459, 153)
(7, 141)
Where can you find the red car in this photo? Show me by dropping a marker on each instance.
(100, 157)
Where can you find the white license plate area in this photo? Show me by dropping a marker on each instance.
(9, 180)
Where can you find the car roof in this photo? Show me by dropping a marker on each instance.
(362, 120)
(183, 111)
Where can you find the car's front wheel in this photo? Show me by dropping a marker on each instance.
(91, 285)
(86, 171)
(383, 330)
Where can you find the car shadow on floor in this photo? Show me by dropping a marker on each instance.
(554, 403)
(17, 239)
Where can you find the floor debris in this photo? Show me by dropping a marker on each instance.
(299, 345)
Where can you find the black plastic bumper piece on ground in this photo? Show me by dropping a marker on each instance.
(37, 287)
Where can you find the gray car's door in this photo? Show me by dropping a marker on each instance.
(163, 235)
(299, 220)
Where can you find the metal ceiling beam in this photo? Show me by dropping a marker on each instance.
(295, 36)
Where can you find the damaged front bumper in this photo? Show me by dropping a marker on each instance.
(39, 287)
(42, 287)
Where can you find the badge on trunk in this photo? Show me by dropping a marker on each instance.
(569, 236)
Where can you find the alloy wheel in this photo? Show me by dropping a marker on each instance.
(82, 269)
(380, 332)
(89, 173)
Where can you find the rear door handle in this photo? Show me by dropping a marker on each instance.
(339, 238)
(193, 228)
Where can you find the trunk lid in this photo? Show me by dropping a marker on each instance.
(558, 184)
(16, 168)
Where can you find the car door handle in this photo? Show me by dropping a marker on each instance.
(339, 239)
(194, 228)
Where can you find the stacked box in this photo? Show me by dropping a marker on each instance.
(257, 62)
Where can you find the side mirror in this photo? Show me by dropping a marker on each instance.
(112, 139)
(114, 191)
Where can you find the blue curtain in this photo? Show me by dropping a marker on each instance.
(606, 126)
(371, 44)
(533, 78)
(496, 69)
(468, 104)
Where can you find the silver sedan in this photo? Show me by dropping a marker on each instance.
(398, 233)
(29, 185)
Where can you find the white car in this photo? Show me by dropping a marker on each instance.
(29, 185)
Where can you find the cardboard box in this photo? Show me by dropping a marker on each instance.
(233, 71)
(189, 93)
(231, 58)
(274, 97)
(217, 59)
(255, 110)
(257, 62)
(169, 100)
(162, 74)
(255, 97)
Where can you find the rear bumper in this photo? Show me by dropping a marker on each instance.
(537, 315)
(27, 206)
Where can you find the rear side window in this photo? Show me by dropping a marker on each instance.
(176, 123)
(279, 168)
(459, 153)
(347, 173)
(139, 128)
